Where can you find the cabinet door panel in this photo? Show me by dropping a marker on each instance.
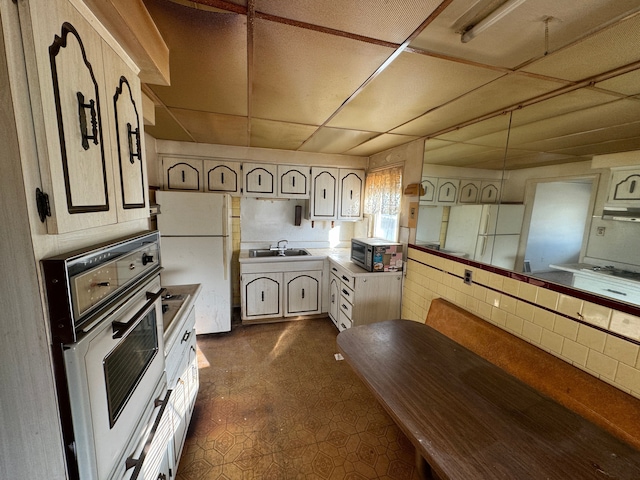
(182, 174)
(324, 194)
(223, 177)
(490, 192)
(293, 181)
(127, 138)
(469, 191)
(430, 184)
(261, 292)
(351, 188)
(302, 293)
(625, 187)
(259, 180)
(447, 192)
(63, 54)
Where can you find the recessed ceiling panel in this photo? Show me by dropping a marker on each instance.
(409, 87)
(379, 144)
(208, 58)
(389, 20)
(214, 128)
(167, 128)
(505, 92)
(627, 84)
(520, 35)
(472, 132)
(603, 52)
(280, 135)
(458, 152)
(303, 76)
(518, 159)
(613, 146)
(335, 140)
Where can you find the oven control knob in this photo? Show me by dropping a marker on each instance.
(146, 258)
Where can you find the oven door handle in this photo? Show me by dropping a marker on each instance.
(120, 329)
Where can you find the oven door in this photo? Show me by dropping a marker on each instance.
(112, 374)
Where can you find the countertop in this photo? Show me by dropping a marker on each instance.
(177, 300)
(340, 256)
(586, 270)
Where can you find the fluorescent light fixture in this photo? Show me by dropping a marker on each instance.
(490, 19)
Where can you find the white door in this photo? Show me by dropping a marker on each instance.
(204, 260)
(192, 213)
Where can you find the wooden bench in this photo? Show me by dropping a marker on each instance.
(473, 418)
(597, 401)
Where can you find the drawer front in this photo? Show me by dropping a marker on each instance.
(344, 276)
(345, 307)
(347, 293)
(343, 321)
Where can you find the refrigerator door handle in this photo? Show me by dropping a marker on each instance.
(225, 257)
(484, 246)
(485, 228)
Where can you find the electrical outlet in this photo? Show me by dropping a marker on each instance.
(468, 277)
(600, 231)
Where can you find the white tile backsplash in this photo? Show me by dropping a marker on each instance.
(535, 314)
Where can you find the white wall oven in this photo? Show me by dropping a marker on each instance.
(106, 321)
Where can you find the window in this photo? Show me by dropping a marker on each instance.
(383, 192)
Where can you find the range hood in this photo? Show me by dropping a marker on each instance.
(625, 214)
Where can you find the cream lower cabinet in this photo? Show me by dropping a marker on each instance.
(359, 297)
(279, 289)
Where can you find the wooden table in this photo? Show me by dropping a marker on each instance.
(469, 419)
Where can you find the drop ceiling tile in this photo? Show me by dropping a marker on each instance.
(598, 117)
(412, 85)
(613, 146)
(627, 84)
(167, 128)
(609, 49)
(303, 76)
(520, 36)
(388, 20)
(435, 143)
(500, 94)
(458, 152)
(478, 130)
(280, 135)
(336, 140)
(379, 144)
(518, 159)
(201, 5)
(214, 128)
(208, 58)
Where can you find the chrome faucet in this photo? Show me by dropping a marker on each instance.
(280, 248)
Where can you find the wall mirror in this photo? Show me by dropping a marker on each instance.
(525, 191)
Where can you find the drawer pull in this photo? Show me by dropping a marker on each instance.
(346, 293)
(263, 295)
(186, 336)
(343, 326)
(334, 269)
(303, 293)
(82, 116)
(615, 291)
(344, 307)
(345, 278)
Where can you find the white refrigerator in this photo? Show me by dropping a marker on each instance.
(486, 233)
(195, 246)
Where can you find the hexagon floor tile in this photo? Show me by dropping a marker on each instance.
(274, 404)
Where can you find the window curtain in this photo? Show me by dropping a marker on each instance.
(383, 191)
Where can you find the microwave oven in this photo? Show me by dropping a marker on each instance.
(376, 254)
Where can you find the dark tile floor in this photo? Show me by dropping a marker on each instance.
(274, 403)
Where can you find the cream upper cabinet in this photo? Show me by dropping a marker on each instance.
(430, 184)
(182, 174)
(489, 191)
(469, 191)
(64, 58)
(324, 194)
(447, 191)
(293, 181)
(260, 179)
(351, 192)
(127, 136)
(223, 177)
(624, 188)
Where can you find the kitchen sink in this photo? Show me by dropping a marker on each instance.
(265, 252)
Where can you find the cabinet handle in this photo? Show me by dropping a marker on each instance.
(615, 291)
(82, 116)
(222, 178)
(293, 181)
(133, 134)
(346, 279)
(350, 194)
(303, 293)
(343, 326)
(324, 193)
(263, 295)
(632, 187)
(333, 298)
(344, 307)
(259, 179)
(345, 292)
(182, 176)
(186, 336)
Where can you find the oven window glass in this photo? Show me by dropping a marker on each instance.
(125, 365)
